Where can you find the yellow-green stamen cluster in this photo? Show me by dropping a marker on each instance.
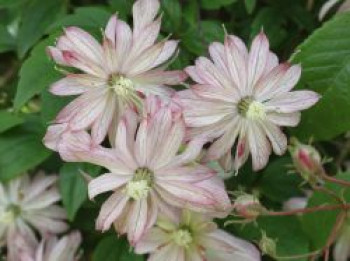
(251, 109)
(124, 89)
(139, 187)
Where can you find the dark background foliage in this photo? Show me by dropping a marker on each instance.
(26, 108)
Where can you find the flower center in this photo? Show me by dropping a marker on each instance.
(121, 85)
(182, 237)
(140, 184)
(124, 89)
(251, 109)
(10, 214)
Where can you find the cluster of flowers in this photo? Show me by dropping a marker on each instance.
(164, 195)
(28, 205)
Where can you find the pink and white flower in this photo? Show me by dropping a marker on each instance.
(244, 96)
(50, 249)
(27, 204)
(193, 238)
(148, 175)
(117, 74)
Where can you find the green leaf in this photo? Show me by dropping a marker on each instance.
(38, 16)
(271, 21)
(325, 59)
(112, 248)
(318, 225)
(196, 40)
(7, 42)
(172, 15)
(8, 120)
(11, 3)
(21, 149)
(211, 4)
(36, 74)
(191, 13)
(250, 5)
(122, 7)
(212, 31)
(73, 186)
(277, 184)
(285, 230)
(85, 17)
(52, 104)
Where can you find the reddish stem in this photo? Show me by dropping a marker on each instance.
(336, 181)
(308, 210)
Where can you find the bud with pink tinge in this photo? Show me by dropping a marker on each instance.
(307, 161)
(248, 206)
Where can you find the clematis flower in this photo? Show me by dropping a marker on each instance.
(244, 96)
(148, 175)
(50, 248)
(117, 74)
(27, 204)
(193, 237)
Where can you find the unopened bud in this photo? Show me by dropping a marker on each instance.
(307, 161)
(267, 245)
(248, 206)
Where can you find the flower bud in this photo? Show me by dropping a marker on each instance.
(267, 245)
(307, 161)
(248, 206)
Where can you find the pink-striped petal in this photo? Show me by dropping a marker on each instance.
(111, 209)
(284, 119)
(236, 55)
(83, 43)
(75, 84)
(107, 182)
(137, 220)
(186, 174)
(158, 77)
(151, 241)
(102, 124)
(277, 138)
(259, 146)
(292, 101)
(258, 57)
(144, 12)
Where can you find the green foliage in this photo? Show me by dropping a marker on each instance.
(209, 4)
(172, 15)
(73, 187)
(21, 149)
(285, 231)
(85, 17)
(7, 42)
(277, 184)
(8, 120)
(325, 58)
(36, 19)
(250, 5)
(113, 248)
(122, 7)
(36, 74)
(318, 225)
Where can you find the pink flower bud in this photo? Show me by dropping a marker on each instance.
(248, 206)
(307, 160)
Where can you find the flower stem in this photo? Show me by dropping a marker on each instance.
(299, 256)
(308, 210)
(335, 180)
(333, 235)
